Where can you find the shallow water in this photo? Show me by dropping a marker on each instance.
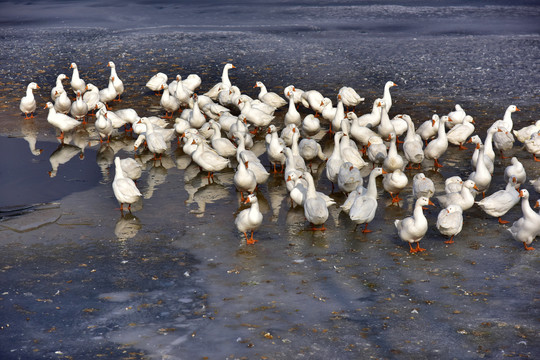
(174, 279)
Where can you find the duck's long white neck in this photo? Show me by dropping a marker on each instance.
(311, 192)
(372, 185)
(411, 133)
(418, 214)
(526, 208)
(263, 89)
(225, 77)
(113, 72)
(441, 132)
(387, 97)
(488, 144)
(508, 122)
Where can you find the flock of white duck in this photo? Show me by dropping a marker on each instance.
(214, 129)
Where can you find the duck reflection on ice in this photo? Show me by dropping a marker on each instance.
(127, 227)
(81, 138)
(201, 192)
(104, 159)
(62, 155)
(30, 133)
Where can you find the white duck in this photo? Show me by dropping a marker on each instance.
(371, 119)
(312, 99)
(533, 146)
(244, 179)
(28, 102)
(526, 228)
(109, 93)
(103, 126)
(268, 97)
(192, 82)
(79, 108)
(255, 116)
(393, 161)
(255, 103)
(387, 97)
(500, 202)
(413, 228)
(249, 219)
(350, 153)
(254, 163)
(299, 160)
(156, 81)
(292, 116)
(412, 145)
(208, 159)
(298, 189)
(315, 209)
(60, 121)
(385, 126)
(131, 168)
(168, 102)
(223, 146)
(517, 170)
(117, 121)
(475, 139)
(349, 177)
(335, 160)
(422, 186)
(438, 146)
(400, 124)
(196, 117)
(456, 117)
(224, 84)
(76, 82)
(450, 221)
(182, 93)
(298, 193)
(394, 182)
(296, 92)
(453, 184)
(328, 110)
(290, 172)
(118, 84)
(91, 96)
(429, 128)
(287, 133)
(459, 133)
(376, 150)
(350, 97)
(525, 133)
(125, 190)
(62, 104)
(59, 87)
(339, 115)
(154, 140)
(503, 140)
(463, 198)
(481, 176)
(363, 208)
(311, 125)
(507, 121)
(226, 120)
(310, 149)
(274, 147)
(536, 184)
(360, 133)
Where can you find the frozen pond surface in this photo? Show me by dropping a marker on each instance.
(174, 279)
